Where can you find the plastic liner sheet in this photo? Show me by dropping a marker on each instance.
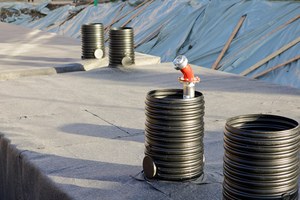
(178, 190)
(199, 29)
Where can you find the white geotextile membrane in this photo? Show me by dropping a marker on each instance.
(199, 29)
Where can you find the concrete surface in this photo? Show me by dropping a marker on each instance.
(80, 135)
(29, 52)
(85, 130)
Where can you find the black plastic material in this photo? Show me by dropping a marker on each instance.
(174, 134)
(261, 159)
(92, 39)
(121, 46)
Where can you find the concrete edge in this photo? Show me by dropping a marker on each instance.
(27, 72)
(20, 179)
(84, 65)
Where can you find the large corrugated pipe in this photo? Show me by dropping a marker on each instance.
(174, 135)
(121, 46)
(261, 159)
(92, 39)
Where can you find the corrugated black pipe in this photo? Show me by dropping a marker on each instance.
(261, 159)
(92, 40)
(174, 135)
(121, 46)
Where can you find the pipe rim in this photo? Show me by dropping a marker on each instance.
(121, 29)
(250, 117)
(92, 24)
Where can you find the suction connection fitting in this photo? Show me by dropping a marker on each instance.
(188, 79)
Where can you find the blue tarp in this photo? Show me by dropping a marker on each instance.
(199, 29)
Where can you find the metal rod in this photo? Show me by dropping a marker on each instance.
(188, 90)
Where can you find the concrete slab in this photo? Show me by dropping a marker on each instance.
(29, 52)
(84, 131)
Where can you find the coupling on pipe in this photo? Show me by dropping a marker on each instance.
(188, 79)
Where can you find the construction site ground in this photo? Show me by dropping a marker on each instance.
(80, 135)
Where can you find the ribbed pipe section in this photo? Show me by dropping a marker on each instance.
(174, 135)
(121, 46)
(261, 159)
(92, 41)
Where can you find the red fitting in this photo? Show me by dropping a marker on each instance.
(181, 63)
(188, 74)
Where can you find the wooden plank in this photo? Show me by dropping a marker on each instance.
(108, 27)
(133, 17)
(229, 41)
(153, 34)
(74, 14)
(282, 49)
(150, 36)
(276, 67)
(113, 22)
(137, 13)
(280, 27)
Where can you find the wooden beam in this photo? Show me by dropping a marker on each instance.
(229, 41)
(150, 36)
(74, 14)
(108, 27)
(137, 13)
(126, 14)
(133, 17)
(276, 67)
(282, 49)
(280, 27)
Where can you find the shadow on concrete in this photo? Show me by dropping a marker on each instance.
(103, 131)
(118, 181)
(87, 179)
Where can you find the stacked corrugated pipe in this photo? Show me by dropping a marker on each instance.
(261, 159)
(174, 135)
(121, 44)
